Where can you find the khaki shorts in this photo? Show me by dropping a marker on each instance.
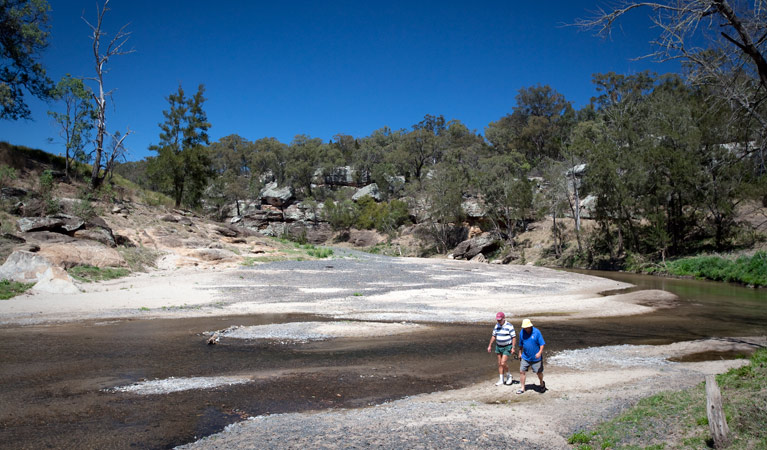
(537, 366)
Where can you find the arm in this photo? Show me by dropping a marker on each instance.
(492, 339)
(540, 352)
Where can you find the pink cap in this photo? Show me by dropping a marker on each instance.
(500, 316)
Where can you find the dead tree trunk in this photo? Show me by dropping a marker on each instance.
(717, 422)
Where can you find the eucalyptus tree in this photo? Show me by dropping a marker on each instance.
(230, 158)
(182, 165)
(24, 33)
(506, 192)
(441, 196)
(115, 47)
(422, 147)
(75, 122)
(268, 162)
(722, 43)
(303, 158)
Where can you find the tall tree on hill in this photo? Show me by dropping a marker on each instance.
(182, 165)
(113, 48)
(23, 36)
(230, 157)
(724, 45)
(76, 121)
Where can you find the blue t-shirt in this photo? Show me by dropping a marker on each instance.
(531, 344)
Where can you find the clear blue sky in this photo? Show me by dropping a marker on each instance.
(278, 69)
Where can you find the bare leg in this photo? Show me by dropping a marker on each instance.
(522, 376)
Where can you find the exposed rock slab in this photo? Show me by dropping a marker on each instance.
(81, 253)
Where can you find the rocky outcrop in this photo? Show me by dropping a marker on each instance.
(80, 253)
(26, 267)
(484, 244)
(371, 190)
(275, 195)
(473, 208)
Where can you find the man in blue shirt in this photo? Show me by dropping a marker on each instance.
(530, 354)
(505, 339)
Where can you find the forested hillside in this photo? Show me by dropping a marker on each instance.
(659, 165)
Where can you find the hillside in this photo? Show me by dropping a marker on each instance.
(124, 226)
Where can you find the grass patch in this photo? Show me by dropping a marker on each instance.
(90, 274)
(9, 289)
(678, 419)
(139, 259)
(750, 270)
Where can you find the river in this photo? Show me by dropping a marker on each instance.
(55, 378)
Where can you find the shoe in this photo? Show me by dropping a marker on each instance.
(520, 391)
(500, 383)
(509, 381)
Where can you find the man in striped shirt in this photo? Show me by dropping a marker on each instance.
(505, 340)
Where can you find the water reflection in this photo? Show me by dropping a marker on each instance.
(706, 308)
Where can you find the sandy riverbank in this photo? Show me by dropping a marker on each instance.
(397, 289)
(584, 387)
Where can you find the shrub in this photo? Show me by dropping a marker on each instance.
(10, 289)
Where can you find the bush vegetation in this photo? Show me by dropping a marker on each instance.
(749, 270)
(10, 289)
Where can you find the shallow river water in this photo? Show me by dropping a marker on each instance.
(56, 378)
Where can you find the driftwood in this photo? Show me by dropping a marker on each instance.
(717, 422)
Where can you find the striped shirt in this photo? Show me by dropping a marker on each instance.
(504, 333)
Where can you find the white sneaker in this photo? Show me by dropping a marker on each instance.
(509, 381)
(499, 383)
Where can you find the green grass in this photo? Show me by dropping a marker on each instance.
(750, 270)
(90, 274)
(9, 289)
(677, 420)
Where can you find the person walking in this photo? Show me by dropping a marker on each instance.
(505, 339)
(531, 345)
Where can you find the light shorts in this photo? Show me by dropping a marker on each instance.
(537, 366)
(503, 349)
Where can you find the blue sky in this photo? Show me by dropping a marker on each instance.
(278, 69)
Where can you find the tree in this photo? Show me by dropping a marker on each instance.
(76, 122)
(303, 158)
(442, 197)
(182, 165)
(230, 159)
(23, 36)
(722, 43)
(506, 192)
(113, 48)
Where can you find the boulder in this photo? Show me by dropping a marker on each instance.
(12, 193)
(473, 208)
(226, 231)
(470, 248)
(338, 176)
(479, 258)
(27, 224)
(81, 253)
(364, 238)
(24, 267)
(275, 195)
(98, 235)
(168, 218)
(55, 280)
(371, 190)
